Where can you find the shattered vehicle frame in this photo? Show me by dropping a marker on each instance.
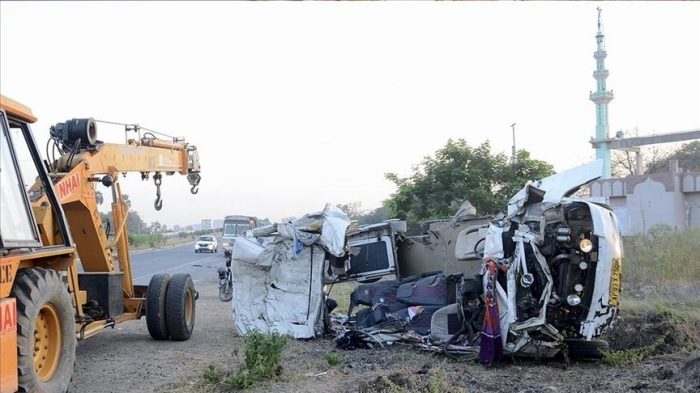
(550, 274)
(562, 259)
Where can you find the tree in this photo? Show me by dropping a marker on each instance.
(688, 156)
(134, 222)
(352, 209)
(457, 172)
(355, 211)
(512, 178)
(155, 227)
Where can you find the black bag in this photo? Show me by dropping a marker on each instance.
(428, 291)
(364, 293)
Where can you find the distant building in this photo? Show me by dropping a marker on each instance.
(206, 224)
(218, 224)
(642, 201)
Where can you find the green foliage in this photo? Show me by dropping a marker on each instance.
(263, 354)
(663, 256)
(688, 156)
(211, 374)
(152, 240)
(355, 211)
(333, 358)
(632, 356)
(438, 383)
(457, 172)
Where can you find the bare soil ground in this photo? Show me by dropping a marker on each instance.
(127, 359)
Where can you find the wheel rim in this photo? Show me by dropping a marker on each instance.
(47, 342)
(189, 300)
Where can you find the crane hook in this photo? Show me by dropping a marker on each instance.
(157, 179)
(194, 190)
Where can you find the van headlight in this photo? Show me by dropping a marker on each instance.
(573, 300)
(585, 245)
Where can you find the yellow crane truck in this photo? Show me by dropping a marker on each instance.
(50, 229)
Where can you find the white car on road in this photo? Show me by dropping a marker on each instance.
(206, 243)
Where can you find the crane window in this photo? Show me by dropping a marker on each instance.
(17, 228)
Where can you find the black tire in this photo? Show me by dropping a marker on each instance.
(180, 307)
(155, 307)
(225, 292)
(579, 348)
(42, 296)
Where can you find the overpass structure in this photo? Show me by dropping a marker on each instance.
(633, 144)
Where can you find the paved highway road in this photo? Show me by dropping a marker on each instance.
(181, 259)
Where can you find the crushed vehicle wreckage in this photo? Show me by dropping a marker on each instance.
(543, 278)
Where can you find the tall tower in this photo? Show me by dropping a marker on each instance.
(601, 98)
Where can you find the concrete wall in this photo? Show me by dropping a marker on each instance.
(640, 202)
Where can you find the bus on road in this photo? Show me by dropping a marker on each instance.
(236, 225)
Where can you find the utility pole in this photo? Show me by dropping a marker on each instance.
(512, 157)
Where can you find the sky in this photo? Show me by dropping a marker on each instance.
(295, 105)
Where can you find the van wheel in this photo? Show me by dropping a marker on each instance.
(180, 307)
(46, 339)
(579, 348)
(155, 306)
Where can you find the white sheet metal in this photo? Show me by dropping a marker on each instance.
(286, 297)
(493, 246)
(332, 223)
(334, 228)
(559, 185)
(605, 226)
(246, 250)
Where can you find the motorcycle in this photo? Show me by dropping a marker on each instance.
(226, 279)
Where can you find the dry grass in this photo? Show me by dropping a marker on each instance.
(340, 292)
(664, 257)
(662, 270)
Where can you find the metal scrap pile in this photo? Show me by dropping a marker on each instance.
(549, 281)
(420, 309)
(279, 275)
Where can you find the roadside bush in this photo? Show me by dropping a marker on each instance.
(631, 356)
(263, 354)
(152, 240)
(211, 374)
(155, 239)
(657, 332)
(333, 358)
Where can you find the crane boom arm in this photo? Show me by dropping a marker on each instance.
(112, 159)
(83, 165)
